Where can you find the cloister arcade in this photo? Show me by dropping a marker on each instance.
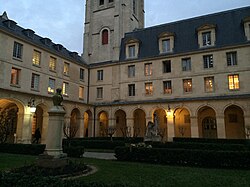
(204, 121)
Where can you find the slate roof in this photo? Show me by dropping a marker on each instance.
(37, 40)
(229, 32)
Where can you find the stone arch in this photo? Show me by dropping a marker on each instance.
(207, 122)
(121, 123)
(162, 120)
(74, 126)
(234, 122)
(105, 36)
(139, 123)
(103, 123)
(88, 124)
(182, 123)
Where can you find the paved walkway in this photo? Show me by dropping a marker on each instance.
(105, 156)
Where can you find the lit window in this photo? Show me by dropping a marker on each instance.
(167, 87)
(233, 82)
(206, 38)
(166, 66)
(208, 61)
(131, 89)
(186, 64)
(52, 64)
(165, 45)
(187, 85)
(149, 88)
(209, 84)
(51, 86)
(131, 71)
(17, 50)
(81, 92)
(65, 88)
(131, 51)
(232, 58)
(15, 73)
(99, 94)
(35, 79)
(36, 58)
(148, 69)
(81, 74)
(66, 69)
(105, 37)
(99, 75)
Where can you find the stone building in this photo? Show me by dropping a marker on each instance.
(192, 73)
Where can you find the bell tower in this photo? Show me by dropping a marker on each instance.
(106, 22)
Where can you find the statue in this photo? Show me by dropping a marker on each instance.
(57, 98)
(152, 130)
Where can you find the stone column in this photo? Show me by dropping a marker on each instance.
(55, 132)
(221, 130)
(194, 127)
(247, 126)
(45, 127)
(170, 127)
(81, 129)
(26, 129)
(130, 125)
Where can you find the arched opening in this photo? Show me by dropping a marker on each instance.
(234, 122)
(121, 123)
(88, 124)
(103, 124)
(105, 37)
(139, 123)
(207, 123)
(162, 122)
(182, 123)
(74, 126)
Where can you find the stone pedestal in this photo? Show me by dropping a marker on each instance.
(55, 132)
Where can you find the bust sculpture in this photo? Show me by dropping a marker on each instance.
(57, 98)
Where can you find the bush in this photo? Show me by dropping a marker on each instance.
(29, 149)
(74, 151)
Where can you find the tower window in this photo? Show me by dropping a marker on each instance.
(101, 2)
(105, 37)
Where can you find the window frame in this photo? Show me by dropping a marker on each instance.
(35, 82)
(105, 37)
(186, 88)
(131, 90)
(82, 74)
(186, 64)
(149, 88)
(167, 66)
(167, 88)
(18, 50)
(208, 61)
(148, 69)
(51, 89)
(100, 75)
(231, 58)
(66, 67)
(52, 63)
(234, 82)
(36, 58)
(65, 89)
(131, 71)
(209, 84)
(15, 80)
(81, 92)
(99, 93)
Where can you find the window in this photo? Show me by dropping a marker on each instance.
(233, 82)
(186, 64)
(187, 85)
(81, 92)
(166, 66)
(101, 2)
(206, 38)
(131, 71)
(35, 79)
(52, 64)
(105, 37)
(15, 73)
(149, 88)
(99, 93)
(36, 58)
(231, 58)
(51, 86)
(66, 68)
(209, 84)
(131, 90)
(111, 1)
(65, 88)
(167, 87)
(208, 61)
(81, 74)
(131, 51)
(165, 45)
(99, 75)
(148, 69)
(17, 50)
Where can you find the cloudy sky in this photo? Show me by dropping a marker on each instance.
(62, 20)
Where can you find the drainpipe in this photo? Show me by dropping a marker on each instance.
(88, 86)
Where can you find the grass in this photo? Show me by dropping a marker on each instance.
(146, 175)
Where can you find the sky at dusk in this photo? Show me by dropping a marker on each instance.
(62, 20)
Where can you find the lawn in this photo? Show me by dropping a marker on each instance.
(140, 174)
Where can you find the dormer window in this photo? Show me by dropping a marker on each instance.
(206, 35)
(166, 42)
(10, 24)
(58, 47)
(132, 49)
(29, 33)
(246, 22)
(46, 41)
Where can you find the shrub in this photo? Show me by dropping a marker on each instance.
(29, 149)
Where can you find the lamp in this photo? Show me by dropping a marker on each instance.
(31, 104)
(169, 111)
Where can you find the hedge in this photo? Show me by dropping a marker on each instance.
(185, 157)
(74, 151)
(29, 149)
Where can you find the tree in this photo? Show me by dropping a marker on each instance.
(70, 131)
(4, 126)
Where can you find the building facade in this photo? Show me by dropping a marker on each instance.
(192, 73)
